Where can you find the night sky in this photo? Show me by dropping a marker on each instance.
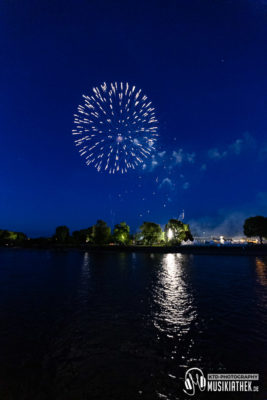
(203, 66)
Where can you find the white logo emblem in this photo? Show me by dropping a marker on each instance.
(194, 377)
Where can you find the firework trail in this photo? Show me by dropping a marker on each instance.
(115, 128)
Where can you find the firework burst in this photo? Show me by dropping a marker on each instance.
(115, 128)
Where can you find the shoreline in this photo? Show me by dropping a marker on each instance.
(253, 250)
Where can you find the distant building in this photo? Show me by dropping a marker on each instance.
(223, 240)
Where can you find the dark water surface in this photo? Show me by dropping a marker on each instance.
(75, 325)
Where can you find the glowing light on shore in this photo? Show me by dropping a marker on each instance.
(170, 234)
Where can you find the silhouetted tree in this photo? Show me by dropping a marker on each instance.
(79, 236)
(62, 234)
(10, 236)
(101, 232)
(121, 233)
(21, 237)
(176, 232)
(151, 233)
(256, 226)
(4, 234)
(84, 235)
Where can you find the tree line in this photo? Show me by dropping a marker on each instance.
(150, 234)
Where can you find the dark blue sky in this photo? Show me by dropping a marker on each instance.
(202, 64)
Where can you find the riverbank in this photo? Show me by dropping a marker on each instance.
(253, 250)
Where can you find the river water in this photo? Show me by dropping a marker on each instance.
(76, 325)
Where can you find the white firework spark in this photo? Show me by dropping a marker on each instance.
(116, 128)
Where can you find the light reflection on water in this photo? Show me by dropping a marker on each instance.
(261, 270)
(85, 266)
(174, 315)
(173, 297)
(84, 286)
